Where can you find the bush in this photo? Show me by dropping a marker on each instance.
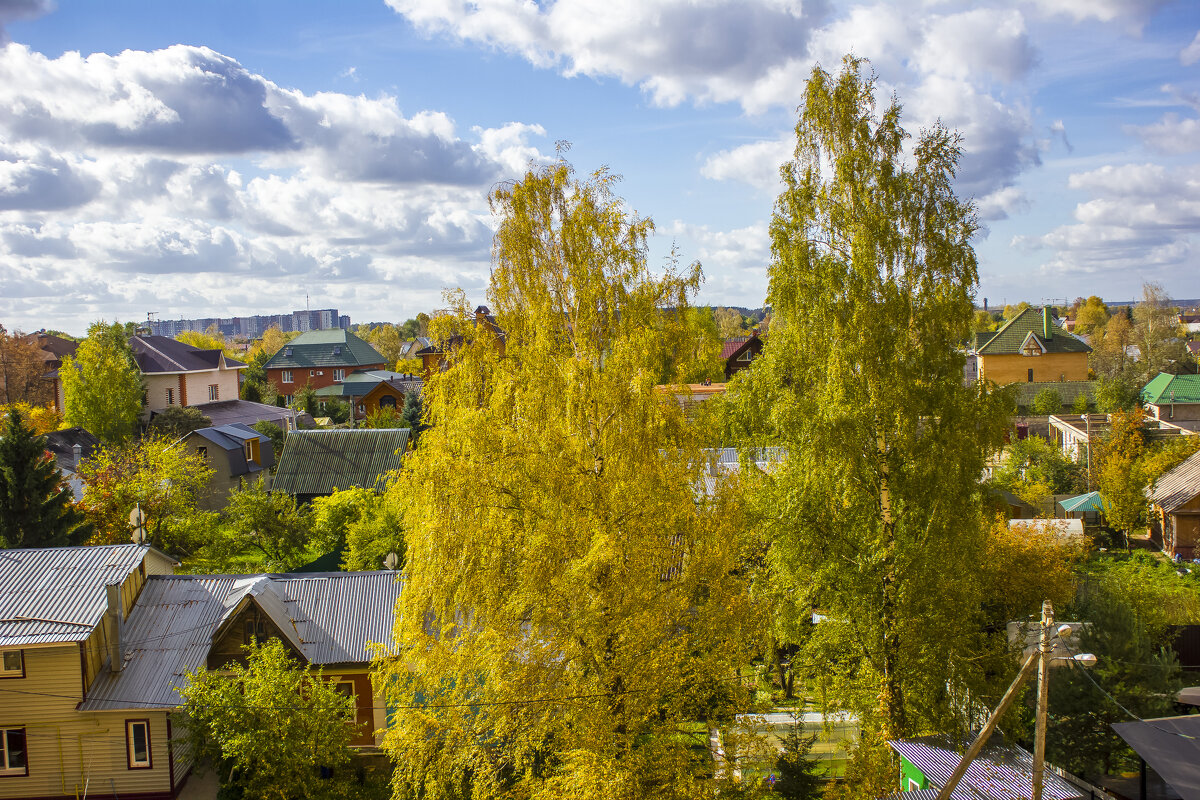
(1080, 405)
(1047, 401)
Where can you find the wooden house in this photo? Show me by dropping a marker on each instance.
(1175, 510)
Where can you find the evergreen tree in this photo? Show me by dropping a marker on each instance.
(413, 415)
(35, 504)
(797, 773)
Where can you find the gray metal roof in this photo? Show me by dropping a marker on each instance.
(1171, 745)
(999, 772)
(56, 594)
(1177, 486)
(319, 462)
(329, 617)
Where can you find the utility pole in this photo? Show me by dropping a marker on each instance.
(1043, 699)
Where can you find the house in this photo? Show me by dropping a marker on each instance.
(1029, 349)
(70, 446)
(246, 412)
(63, 612)
(739, 351)
(54, 350)
(999, 772)
(176, 374)
(1175, 398)
(320, 462)
(236, 453)
(180, 374)
(185, 622)
(318, 359)
(368, 391)
(1190, 321)
(435, 355)
(1175, 510)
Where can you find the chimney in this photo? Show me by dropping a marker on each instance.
(76, 454)
(116, 626)
(1047, 325)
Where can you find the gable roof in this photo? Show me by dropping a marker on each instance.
(1010, 338)
(56, 594)
(328, 348)
(330, 618)
(228, 412)
(1177, 486)
(364, 381)
(320, 462)
(164, 355)
(732, 345)
(1165, 389)
(999, 772)
(62, 445)
(232, 439)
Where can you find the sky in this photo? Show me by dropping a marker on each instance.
(222, 157)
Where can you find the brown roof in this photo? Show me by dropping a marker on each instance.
(1177, 486)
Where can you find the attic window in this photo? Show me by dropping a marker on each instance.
(337, 351)
(1031, 348)
(287, 351)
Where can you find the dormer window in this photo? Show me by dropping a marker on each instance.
(337, 351)
(287, 351)
(1032, 347)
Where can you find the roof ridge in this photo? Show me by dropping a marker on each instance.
(145, 341)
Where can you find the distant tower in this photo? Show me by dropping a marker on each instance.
(985, 308)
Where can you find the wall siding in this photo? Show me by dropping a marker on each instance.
(1004, 368)
(68, 749)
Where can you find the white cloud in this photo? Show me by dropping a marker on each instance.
(756, 164)
(1134, 11)
(1171, 135)
(1191, 54)
(1140, 219)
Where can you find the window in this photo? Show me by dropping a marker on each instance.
(339, 374)
(286, 377)
(312, 372)
(137, 741)
(13, 664)
(170, 397)
(249, 449)
(362, 408)
(202, 452)
(254, 629)
(12, 752)
(1030, 376)
(214, 391)
(1031, 349)
(345, 689)
(914, 785)
(746, 356)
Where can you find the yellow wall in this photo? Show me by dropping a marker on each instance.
(1013, 367)
(67, 748)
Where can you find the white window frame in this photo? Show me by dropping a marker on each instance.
(339, 375)
(6, 768)
(249, 450)
(5, 659)
(170, 396)
(287, 376)
(131, 761)
(214, 391)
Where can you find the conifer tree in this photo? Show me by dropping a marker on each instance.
(35, 504)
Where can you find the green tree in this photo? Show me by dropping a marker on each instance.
(729, 323)
(305, 399)
(797, 773)
(1011, 311)
(274, 433)
(270, 727)
(1080, 404)
(102, 386)
(154, 473)
(36, 508)
(983, 321)
(1117, 394)
(371, 537)
(871, 286)
(176, 421)
(551, 514)
(385, 418)
(414, 416)
(333, 515)
(1120, 479)
(1091, 316)
(268, 524)
(1110, 358)
(1047, 401)
(1034, 468)
(387, 340)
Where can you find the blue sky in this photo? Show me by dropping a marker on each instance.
(221, 158)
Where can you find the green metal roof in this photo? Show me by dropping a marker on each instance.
(321, 462)
(1084, 502)
(331, 348)
(1166, 389)
(1011, 337)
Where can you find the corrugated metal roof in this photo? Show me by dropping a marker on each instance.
(999, 772)
(1167, 389)
(318, 462)
(56, 594)
(330, 618)
(1084, 502)
(1178, 486)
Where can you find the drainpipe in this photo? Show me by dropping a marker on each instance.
(116, 653)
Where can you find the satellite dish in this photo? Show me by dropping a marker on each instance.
(137, 518)
(390, 560)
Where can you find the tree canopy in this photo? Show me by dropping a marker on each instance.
(102, 385)
(570, 600)
(876, 515)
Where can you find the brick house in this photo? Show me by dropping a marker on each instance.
(1030, 348)
(320, 358)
